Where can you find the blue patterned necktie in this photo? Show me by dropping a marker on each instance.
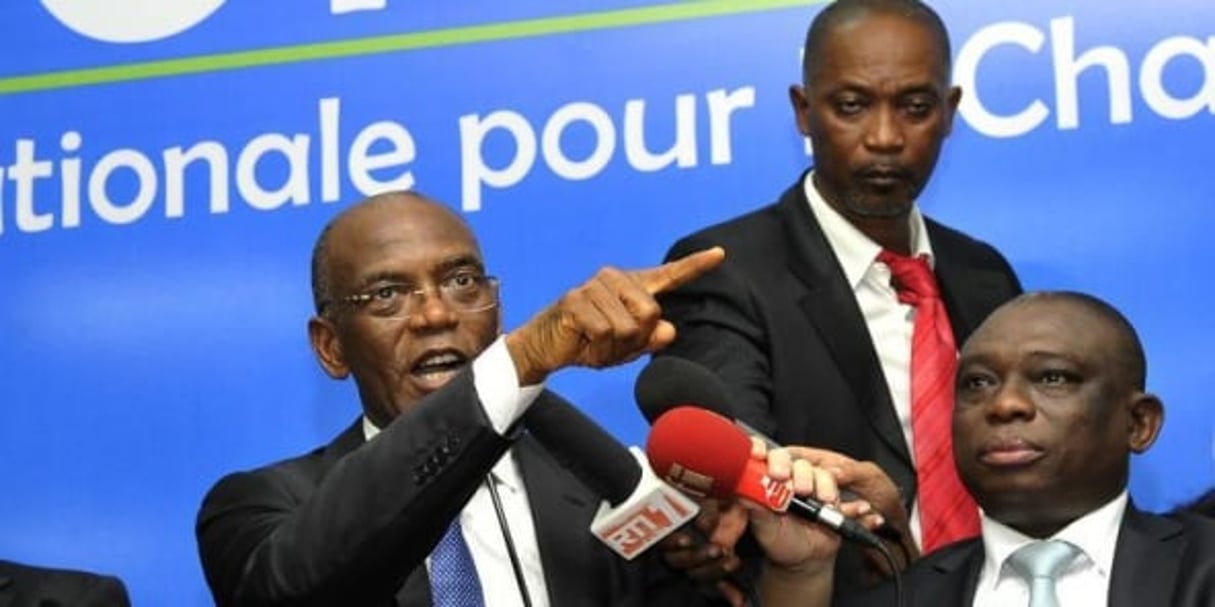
(453, 576)
(1040, 563)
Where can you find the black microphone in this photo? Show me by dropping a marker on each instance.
(668, 382)
(639, 509)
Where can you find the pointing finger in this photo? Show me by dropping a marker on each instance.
(672, 274)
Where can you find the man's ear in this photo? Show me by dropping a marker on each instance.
(801, 108)
(327, 347)
(1147, 417)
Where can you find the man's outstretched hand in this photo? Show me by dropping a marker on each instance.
(611, 319)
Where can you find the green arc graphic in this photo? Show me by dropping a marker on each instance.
(491, 32)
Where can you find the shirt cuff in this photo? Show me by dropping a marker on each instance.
(497, 384)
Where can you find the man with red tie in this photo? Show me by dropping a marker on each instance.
(836, 317)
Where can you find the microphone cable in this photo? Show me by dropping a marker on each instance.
(515, 565)
(896, 575)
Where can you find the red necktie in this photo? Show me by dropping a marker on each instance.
(947, 511)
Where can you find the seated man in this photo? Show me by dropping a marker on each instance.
(400, 509)
(1050, 404)
(26, 586)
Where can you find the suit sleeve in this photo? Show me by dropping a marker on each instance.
(104, 591)
(718, 325)
(280, 536)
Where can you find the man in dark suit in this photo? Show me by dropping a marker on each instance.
(27, 586)
(404, 305)
(803, 320)
(1050, 406)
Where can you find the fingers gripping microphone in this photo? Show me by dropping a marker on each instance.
(669, 382)
(704, 454)
(638, 509)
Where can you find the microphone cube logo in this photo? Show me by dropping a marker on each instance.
(634, 529)
(777, 494)
(689, 481)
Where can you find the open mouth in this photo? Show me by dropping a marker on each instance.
(434, 369)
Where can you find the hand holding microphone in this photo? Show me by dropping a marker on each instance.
(706, 454)
(790, 543)
(669, 383)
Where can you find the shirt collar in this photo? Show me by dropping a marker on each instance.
(856, 252)
(505, 472)
(1095, 534)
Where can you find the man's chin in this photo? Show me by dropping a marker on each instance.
(880, 209)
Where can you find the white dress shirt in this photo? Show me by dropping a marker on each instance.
(1086, 580)
(504, 401)
(890, 322)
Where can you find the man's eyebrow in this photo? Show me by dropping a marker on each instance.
(920, 89)
(384, 276)
(1052, 356)
(973, 359)
(439, 269)
(460, 261)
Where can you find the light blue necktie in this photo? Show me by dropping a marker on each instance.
(1039, 564)
(453, 575)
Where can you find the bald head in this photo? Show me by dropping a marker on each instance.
(1125, 350)
(349, 224)
(840, 13)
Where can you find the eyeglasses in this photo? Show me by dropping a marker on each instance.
(464, 292)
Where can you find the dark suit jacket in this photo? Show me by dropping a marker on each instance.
(352, 522)
(779, 323)
(1158, 561)
(26, 586)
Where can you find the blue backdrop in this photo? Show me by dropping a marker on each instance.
(162, 179)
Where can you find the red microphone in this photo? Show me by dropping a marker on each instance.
(705, 454)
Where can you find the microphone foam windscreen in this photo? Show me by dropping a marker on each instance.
(584, 448)
(669, 382)
(698, 451)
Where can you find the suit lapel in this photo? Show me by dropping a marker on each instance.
(952, 579)
(350, 439)
(1146, 560)
(415, 592)
(969, 292)
(831, 307)
(557, 508)
(416, 589)
(7, 593)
